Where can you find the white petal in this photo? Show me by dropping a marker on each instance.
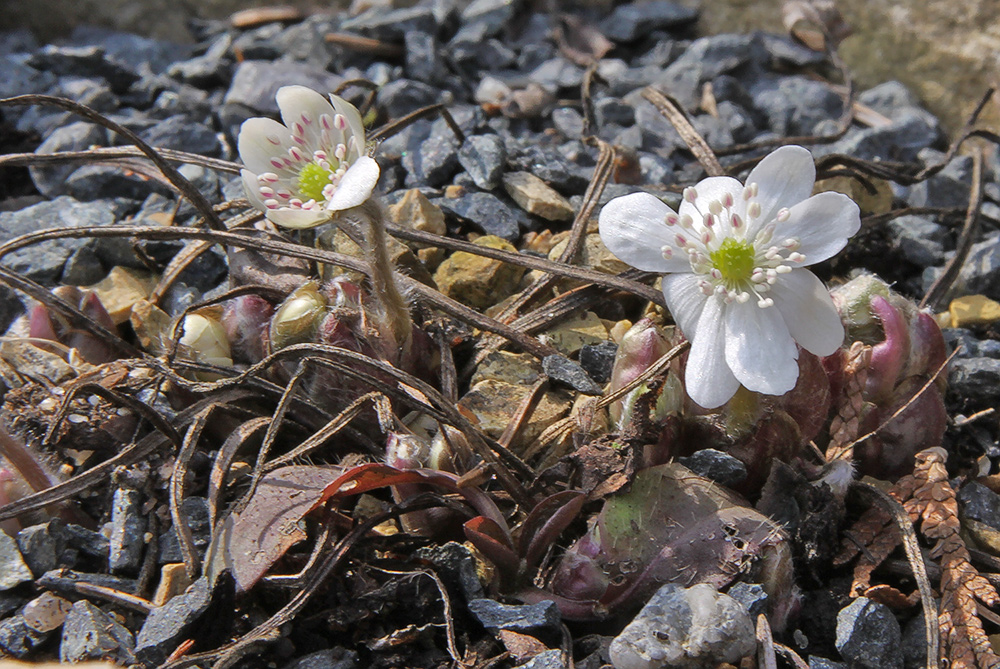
(809, 313)
(252, 189)
(714, 188)
(356, 186)
(287, 217)
(685, 301)
(759, 349)
(822, 225)
(296, 101)
(784, 178)
(707, 377)
(353, 116)
(634, 228)
(255, 145)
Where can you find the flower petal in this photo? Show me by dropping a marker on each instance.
(287, 217)
(252, 189)
(354, 122)
(707, 377)
(634, 228)
(298, 103)
(809, 313)
(822, 225)
(714, 188)
(759, 349)
(356, 186)
(260, 140)
(685, 301)
(784, 178)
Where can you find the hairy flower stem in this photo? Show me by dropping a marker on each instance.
(395, 310)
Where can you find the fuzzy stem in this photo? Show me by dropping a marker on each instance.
(384, 288)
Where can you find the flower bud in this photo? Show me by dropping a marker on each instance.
(640, 347)
(246, 319)
(204, 340)
(298, 317)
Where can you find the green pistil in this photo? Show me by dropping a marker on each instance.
(312, 180)
(734, 259)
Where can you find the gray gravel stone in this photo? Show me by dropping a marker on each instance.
(919, 240)
(948, 188)
(492, 14)
(91, 634)
(868, 635)
(547, 659)
(85, 61)
(562, 369)
(18, 639)
(131, 48)
(402, 96)
(331, 658)
(636, 20)
(716, 465)
(127, 528)
(255, 82)
(166, 625)
(752, 596)
(395, 24)
(901, 140)
(99, 182)
(980, 503)
(456, 566)
(433, 163)
(196, 509)
(485, 211)
(182, 133)
(43, 547)
(209, 69)
(704, 60)
(50, 180)
(598, 360)
(693, 627)
(980, 272)
(794, 105)
(519, 618)
(44, 262)
(483, 157)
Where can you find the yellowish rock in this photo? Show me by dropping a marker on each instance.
(878, 202)
(46, 612)
(477, 281)
(34, 363)
(509, 367)
(570, 336)
(593, 254)
(121, 289)
(415, 211)
(537, 197)
(494, 403)
(173, 581)
(973, 310)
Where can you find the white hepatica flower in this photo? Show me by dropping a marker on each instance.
(733, 256)
(302, 173)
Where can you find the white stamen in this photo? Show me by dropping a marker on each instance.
(783, 215)
(690, 194)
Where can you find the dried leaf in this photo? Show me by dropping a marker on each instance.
(931, 504)
(816, 23)
(251, 541)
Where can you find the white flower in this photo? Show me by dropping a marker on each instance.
(733, 256)
(302, 173)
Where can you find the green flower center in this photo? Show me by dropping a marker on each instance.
(312, 180)
(735, 261)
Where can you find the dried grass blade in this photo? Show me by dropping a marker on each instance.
(939, 289)
(224, 459)
(673, 113)
(182, 526)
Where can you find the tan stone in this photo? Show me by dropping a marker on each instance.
(572, 335)
(537, 197)
(173, 581)
(46, 612)
(477, 281)
(152, 327)
(415, 211)
(121, 289)
(509, 367)
(494, 403)
(593, 254)
(973, 310)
